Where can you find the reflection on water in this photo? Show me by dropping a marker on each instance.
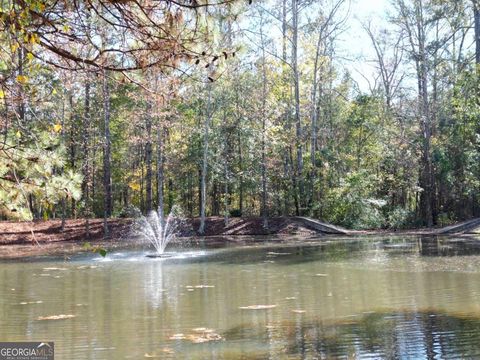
(361, 298)
(374, 335)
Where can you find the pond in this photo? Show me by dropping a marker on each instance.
(336, 298)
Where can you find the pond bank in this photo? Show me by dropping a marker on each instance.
(21, 239)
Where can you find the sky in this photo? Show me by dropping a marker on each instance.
(354, 47)
(355, 43)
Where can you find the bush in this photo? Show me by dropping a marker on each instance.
(129, 211)
(353, 203)
(445, 219)
(399, 218)
(235, 213)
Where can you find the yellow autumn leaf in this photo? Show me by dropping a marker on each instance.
(22, 79)
(34, 39)
(14, 47)
(2, 94)
(30, 56)
(18, 134)
(54, 91)
(57, 128)
(134, 186)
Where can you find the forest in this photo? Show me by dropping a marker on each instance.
(239, 108)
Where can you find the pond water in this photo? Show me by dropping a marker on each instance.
(337, 298)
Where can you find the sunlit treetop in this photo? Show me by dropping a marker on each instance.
(112, 35)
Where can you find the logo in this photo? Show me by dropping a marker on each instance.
(27, 351)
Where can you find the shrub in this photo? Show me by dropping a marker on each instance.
(399, 218)
(235, 213)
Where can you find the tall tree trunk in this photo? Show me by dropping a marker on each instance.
(288, 177)
(64, 199)
(72, 152)
(476, 16)
(107, 178)
(240, 160)
(314, 119)
(298, 124)
(226, 214)
(160, 173)
(142, 178)
(417, 38)
(240, 152)
(264, 120)
(86, 160)
(170, 195)
(148, 160)
(427, 176)
(226, 171)
(203, 187)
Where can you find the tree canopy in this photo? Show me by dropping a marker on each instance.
(235, 108)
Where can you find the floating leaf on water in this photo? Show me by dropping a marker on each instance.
(329, 294)
(167, 350)
(87, 267)
(56, 317)
(198, 339)
(190, 289)
(100, 250)
(290, 298)
(31, 302)
(321, 275)
(54, 268)
(299, 311)
(205, 335)
(257, 307)
(202, 330)
(147, 355)
(277, 253)
(204, 286)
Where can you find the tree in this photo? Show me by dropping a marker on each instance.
(203, 188)
(107, 178)
(296, 86)
(412, 19)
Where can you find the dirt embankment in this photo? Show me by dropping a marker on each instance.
(21, 233)
(21, 239)
(75, 230)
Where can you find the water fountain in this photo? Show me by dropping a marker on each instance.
(159, 231)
